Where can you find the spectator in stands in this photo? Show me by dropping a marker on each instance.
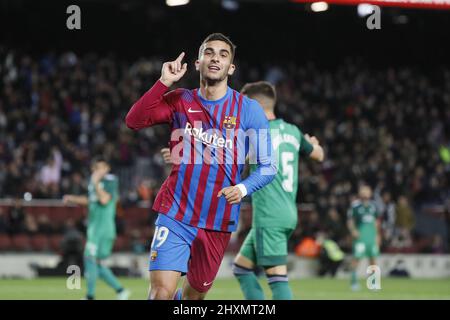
(387, 211)
(138, 247)
(437, 244)
(405, 221)
(44, 225)
(308, 248)
(401, 240)
(31, 226)
(311, 225)
(336, 229)
(444, 153)
(145, 190)
(50, 174)
(399, 270)
(17, 218)
(75, 185)
(135, 271)
(71, 245)
(330, 256)
(13, 183)
(4, 221)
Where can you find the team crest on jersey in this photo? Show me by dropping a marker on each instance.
(229, 122)
(153, 255)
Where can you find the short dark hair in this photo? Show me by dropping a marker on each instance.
(263, 88)
(98, 159)
(219, 37)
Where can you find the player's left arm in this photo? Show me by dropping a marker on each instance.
(260, 140)
(351, 224)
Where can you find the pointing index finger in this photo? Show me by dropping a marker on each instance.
(180, 57)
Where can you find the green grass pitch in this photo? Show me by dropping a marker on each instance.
(306, 289)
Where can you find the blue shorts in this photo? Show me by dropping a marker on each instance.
(197, 252)
(170, 249)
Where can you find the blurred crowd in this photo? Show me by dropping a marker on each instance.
(388, 127)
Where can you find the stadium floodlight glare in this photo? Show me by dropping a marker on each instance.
(319, 6)
(173, 3)
(27, 196)
(364, 9)
(230, 5)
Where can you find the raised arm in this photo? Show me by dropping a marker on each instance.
(154, 107)
(106, 190)
(317, 151)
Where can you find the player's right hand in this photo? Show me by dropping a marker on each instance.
(313, 140)
(173, 71)
(67, 199)
(96, 176)
(355, 234)
(232, 194)
(165, 152)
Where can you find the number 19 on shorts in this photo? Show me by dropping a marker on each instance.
(160, 236)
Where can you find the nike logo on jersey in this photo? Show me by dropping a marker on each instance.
(192, 111)
(205, 284)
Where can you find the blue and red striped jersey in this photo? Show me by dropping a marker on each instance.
(209, 143)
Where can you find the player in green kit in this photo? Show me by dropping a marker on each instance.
(274, 206)
(364, 225)
(103, 193)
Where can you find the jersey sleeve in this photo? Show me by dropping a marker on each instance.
(154, 107)
(258, 128)
(305, 147)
